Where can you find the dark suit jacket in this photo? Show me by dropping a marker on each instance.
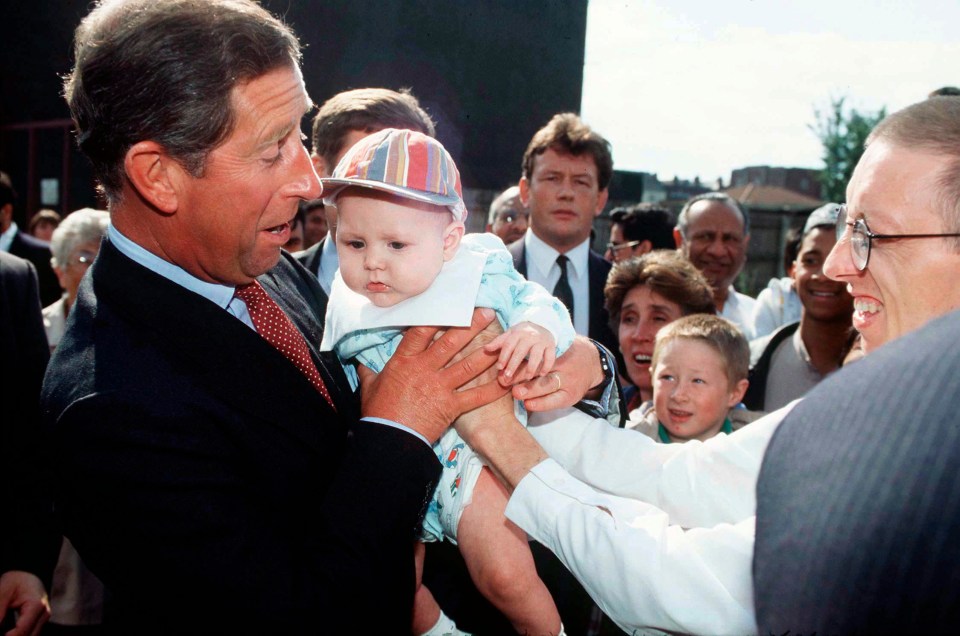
(310, 258)
(597, 270)
(38, 253)
(858, 499)
(29, 538)
(199, 468)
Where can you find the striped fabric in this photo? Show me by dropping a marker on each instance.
(403, 162)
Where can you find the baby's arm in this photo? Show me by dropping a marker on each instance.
(526, 310)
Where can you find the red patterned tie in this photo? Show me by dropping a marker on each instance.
(276, 328)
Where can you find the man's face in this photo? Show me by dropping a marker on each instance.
(563, 197)
(823, 299)
(231, 222)
(314, 226)
(391, 248)
(622, 250)
(715, 242)
(510, 221)
(907, 282)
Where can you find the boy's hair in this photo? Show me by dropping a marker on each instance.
(665, 272)
(719, 333)
(369, 110)
(566, 133)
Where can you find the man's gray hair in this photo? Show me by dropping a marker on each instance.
(82, 226)
(683, 219)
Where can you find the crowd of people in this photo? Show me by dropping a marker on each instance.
(281, 390)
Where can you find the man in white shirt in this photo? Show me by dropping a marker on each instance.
(664, 536)
(713, 232)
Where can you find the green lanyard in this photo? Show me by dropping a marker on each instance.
(726, 429)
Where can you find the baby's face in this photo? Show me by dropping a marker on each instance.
(691, 391)
(392, 248)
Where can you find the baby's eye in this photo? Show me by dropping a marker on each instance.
(357, 245)
(396, 245)
(699, 381)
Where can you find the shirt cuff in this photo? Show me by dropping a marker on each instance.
(380, 420)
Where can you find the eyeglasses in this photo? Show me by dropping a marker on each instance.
(84, 259)
(512, 217)
(861, 238)
(616, 247)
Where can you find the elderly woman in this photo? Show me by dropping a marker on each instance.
(74, 245)
(643, 295)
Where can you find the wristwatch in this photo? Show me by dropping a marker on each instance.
(606, 364)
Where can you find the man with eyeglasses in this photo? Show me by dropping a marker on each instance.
(508, 218)
(638, 229)
(853, 523)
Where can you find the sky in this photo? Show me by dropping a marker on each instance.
(693, 88)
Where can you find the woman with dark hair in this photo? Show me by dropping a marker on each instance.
(644, 294)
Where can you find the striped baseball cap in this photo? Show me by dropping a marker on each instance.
(403, 162)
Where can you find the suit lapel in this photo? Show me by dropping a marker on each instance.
(219, 352)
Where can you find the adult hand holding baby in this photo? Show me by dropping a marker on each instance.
(419, 388)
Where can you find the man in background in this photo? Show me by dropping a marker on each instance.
(507, 218)
(713, 233)
(638, 229)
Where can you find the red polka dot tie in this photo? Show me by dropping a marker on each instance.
(276, 328)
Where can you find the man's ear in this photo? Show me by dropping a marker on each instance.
(677, 238)
(602, 197)
(644, 247)
(524, 186)
(451, 239)
(154, 174)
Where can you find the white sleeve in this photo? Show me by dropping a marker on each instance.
(698, 484)
(641, 571)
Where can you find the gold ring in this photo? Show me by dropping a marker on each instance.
(557, 376)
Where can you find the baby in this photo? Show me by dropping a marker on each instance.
(699, 368)
(405, 261)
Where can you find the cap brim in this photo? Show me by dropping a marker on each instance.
(330, 193)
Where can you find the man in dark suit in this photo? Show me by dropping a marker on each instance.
(567, 169)
(206, 455)
(18, 243)
(29, 539)
(343, 120)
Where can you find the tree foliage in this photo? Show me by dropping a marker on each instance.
(843, 135)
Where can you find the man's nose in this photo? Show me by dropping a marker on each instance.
(839, 261)
(304, 181)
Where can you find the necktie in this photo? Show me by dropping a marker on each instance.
(562, 289)
(275, 327)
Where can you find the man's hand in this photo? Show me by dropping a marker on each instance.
(23, 592)
(576, 372)
(418, 389)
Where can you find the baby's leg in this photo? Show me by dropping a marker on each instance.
(500, 563)
(426, 611)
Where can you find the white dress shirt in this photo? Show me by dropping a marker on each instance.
(542, 268)
(738, 309)
(613, 505)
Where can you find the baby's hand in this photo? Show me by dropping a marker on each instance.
(524, 341)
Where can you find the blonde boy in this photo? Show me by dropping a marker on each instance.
(699, 368)
(404, 261)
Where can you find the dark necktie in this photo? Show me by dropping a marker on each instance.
(562, 289)
(275, 327)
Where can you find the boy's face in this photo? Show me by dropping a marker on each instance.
(392, 248)
(823, 299)
(691, 391)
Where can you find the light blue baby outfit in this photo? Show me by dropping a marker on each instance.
(481, 274)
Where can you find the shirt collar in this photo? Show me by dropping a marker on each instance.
(221, 295)
(6, 239)
(542, 256)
